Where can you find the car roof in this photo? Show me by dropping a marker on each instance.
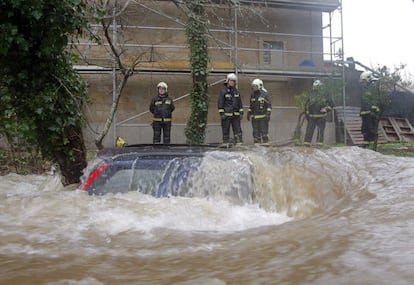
(157, 150)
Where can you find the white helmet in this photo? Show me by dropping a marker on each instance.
(231, 76)
(257, 82)
(162, 85)
(317, 84)
(367, 76)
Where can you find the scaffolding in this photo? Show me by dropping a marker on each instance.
(326, 60)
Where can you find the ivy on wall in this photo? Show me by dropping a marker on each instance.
(196, 32)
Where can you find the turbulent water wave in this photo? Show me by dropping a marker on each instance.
(255, 216)
(298, 182)
(287, 183)
(308, 182)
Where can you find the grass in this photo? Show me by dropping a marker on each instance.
(397, 149)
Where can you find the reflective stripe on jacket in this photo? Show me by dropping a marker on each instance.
(367, 109)
(260, 105)
(162, 107)
(318, 106)
(229, 102)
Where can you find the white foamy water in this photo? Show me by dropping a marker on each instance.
(336, 216)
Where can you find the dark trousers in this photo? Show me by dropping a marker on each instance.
(260, 130)
(165, 128)
(313, 123)
(234, 122)
(368, 128)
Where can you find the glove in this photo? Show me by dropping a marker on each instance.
(241, 116)
(375, 109)
(268, 116)
(223, 117)
(248, 116)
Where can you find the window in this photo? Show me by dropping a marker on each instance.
(273, 52)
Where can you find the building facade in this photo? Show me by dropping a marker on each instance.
(287, 44)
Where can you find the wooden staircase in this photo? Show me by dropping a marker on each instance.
(350, 119)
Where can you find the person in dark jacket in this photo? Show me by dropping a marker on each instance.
(162, 107)
(230, 108)
(317, 107)
(259, 112)
(369, 110)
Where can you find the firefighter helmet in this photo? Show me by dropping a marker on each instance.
(367, 76)
(258, 83)
(231, 76)
(317, 83)
(162, 85)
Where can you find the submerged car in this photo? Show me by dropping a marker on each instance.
(158, 170)
(172, 170)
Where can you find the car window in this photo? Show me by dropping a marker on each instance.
(118, 182)
(157, 176)
(146, 180)
(142, 180)
(177, 173)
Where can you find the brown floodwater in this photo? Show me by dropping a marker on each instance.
(335, 216)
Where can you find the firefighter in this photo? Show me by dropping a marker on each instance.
(369, 110)
(259, 112)
(230, 108)
(317, 107)
(162, 107)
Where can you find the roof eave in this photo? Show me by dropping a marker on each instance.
(323, 6)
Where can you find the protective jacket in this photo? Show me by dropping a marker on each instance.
(230, 103)
(162, 107)
(259, 111)
(368, 109)
(318, 108)
(369, 115)
(260, 105)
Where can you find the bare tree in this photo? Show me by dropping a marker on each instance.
(108, 11)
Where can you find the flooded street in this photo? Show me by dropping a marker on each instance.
(336, 216)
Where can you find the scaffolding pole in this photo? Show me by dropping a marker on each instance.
(114, 79)
(343, 68)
